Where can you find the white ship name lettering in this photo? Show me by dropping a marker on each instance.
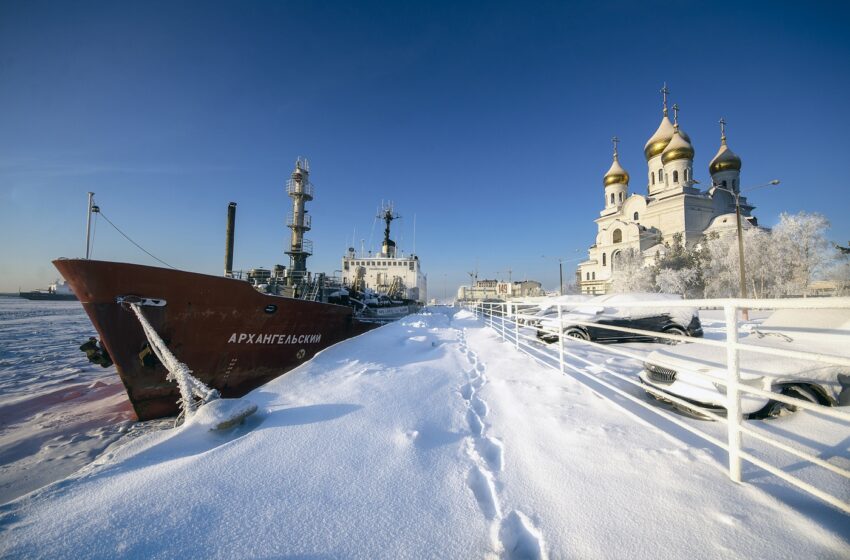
(261, 338)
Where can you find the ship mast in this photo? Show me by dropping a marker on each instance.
(299, 188)
(388, 215)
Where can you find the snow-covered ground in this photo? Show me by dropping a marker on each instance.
(427, 438)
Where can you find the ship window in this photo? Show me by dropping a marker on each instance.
(411, 265)
(346, 265)
(618, 236)
(603, 259)
(675, 176)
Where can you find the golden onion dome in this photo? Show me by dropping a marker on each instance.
(658, 141)
(679, 147)
(616, 175)
(725, 159)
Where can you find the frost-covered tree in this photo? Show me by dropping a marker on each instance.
(720, 265)
(631, 273)
(804, 250)
(678, 270)
(681, 281)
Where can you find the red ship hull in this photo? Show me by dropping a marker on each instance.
(232, 337)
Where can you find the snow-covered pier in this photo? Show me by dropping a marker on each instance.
(427, 438)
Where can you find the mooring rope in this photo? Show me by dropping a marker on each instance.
(189, 385)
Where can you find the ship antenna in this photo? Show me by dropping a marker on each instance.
(88, 225)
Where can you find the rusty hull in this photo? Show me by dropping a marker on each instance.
(203, 323)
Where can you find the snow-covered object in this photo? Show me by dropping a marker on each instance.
(426, 438)
(222, 414)
(825, 331)
(616, 306)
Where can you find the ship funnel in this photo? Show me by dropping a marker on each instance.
(228, 244)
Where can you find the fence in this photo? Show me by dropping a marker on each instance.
(511, 323)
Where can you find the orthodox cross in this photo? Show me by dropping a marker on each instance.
(664, 92)
(676, 114)
(615, 140)
(722, 122)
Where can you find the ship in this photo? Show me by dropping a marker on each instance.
(387, 284)
(235, 332)
(58, 291)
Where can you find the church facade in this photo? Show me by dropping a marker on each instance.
(673, 204)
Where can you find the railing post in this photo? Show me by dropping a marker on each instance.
(733, 394)
(516, 328)
(503, 309)
(560, 339)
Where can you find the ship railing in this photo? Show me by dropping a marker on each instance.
(305, 247)
(306, 222)
(567, 355)
(303, 188)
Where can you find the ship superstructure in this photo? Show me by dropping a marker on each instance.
(389, 273)
(234, 335)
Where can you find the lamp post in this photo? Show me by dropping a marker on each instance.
(741, 269)
(561, 261)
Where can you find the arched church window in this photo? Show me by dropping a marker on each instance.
(636, 216)
(594, 276)
(653, 177)
(618, 236)
(588, 276)
(612, 198)
(724, 184)
(660, 175)
(603, 259)
(675, 176)
(621, 197)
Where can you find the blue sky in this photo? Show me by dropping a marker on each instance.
(489, 122)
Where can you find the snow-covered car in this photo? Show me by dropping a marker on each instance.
(533, 315)
(614, 310)
(675, 370)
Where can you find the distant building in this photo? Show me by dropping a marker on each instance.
(493, 289)
(674, 204)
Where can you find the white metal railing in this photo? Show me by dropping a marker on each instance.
(508, 320)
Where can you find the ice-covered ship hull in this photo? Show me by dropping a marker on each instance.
(233, 337)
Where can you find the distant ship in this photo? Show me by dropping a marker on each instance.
(382, 283)
(234, 332)
(58, 291)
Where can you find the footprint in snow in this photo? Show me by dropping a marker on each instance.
(466, 392)
(476, 426)
(520, 538)
(481, 484)
(492, 451)
(479, 381)
(479, 406)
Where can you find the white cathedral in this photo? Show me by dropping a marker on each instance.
(673, 203)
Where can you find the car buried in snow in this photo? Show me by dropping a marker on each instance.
(532, 315)
(697, 373)
(618, 310)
